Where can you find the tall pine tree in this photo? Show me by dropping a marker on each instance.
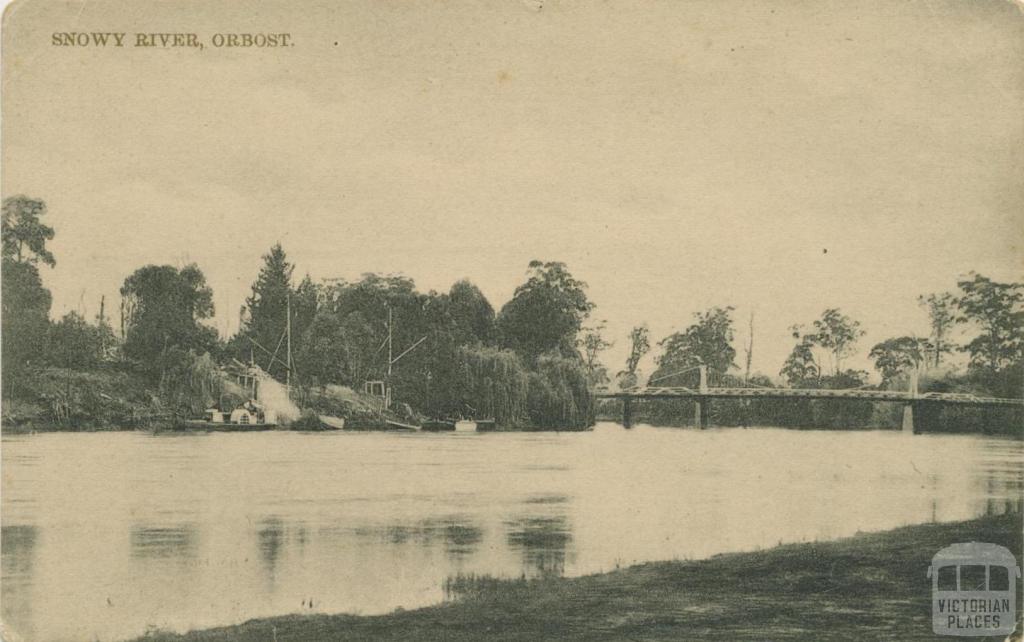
(265, 313)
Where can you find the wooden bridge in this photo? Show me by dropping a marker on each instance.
(703, 393)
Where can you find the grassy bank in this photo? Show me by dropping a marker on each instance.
(866, 587)
(55, 399)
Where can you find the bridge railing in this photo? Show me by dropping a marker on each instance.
(701, 381)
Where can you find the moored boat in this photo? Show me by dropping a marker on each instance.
(398, 425)
(328, 422)
(484, 425)
(248, 417)
(438, 425)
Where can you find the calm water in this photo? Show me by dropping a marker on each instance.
(105, 535)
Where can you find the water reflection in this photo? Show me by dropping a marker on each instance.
(543, 543)
(182, 532)
(547, 499)
(276, 539)
(461, 538)
(17, 556)
(457, 535)
(165, 542)
(270, 539)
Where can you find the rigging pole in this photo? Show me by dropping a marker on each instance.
(387, 383)
(288, 333)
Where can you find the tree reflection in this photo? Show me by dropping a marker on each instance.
(270, 539)
(17, 552)
(543, 542)
(165, 542)
(273, 537)
(459, 536)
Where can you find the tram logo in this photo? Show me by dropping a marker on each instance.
(974, 590)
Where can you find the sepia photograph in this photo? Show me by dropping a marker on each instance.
(516, 320)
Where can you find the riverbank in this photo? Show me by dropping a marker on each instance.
(119, 397)
(870, 586)
(106, 399)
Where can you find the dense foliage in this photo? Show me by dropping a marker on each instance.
(706, 342)
(545, 313)
(163, 308)
(264, 317)
(446, 360)
(894, 357)
(997, 311)
(493, 383)
(23, 232)
(820, 351)
(26, 311)
(26, 303)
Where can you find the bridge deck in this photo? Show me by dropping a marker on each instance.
(808, 393)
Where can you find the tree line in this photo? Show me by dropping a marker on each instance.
(993, 310)
(533, 362)
(452, 353)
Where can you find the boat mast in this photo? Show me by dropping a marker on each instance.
(387, 385)
(288, 333)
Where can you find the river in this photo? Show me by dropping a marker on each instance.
(106, 535)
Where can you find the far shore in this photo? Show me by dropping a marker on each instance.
(870, 586)
(39, 427)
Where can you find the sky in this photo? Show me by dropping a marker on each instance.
(780, 157)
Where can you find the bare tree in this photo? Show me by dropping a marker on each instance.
(750, 347)
(942, 315)
(639, 346)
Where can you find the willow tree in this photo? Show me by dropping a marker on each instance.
(493, 384)
(190, 383)
(559, 394)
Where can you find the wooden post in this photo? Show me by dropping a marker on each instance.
(703, 378)
(627, 412)
(698, 415)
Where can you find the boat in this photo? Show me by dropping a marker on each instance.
(458, 425)
(249, 417)
(439, 425)
(485, 425)
(328, 422)
(398, 425)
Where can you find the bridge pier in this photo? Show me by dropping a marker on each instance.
(627, 412)
(909, 427)
(701, 410)
(908, 419)
(701, 405)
